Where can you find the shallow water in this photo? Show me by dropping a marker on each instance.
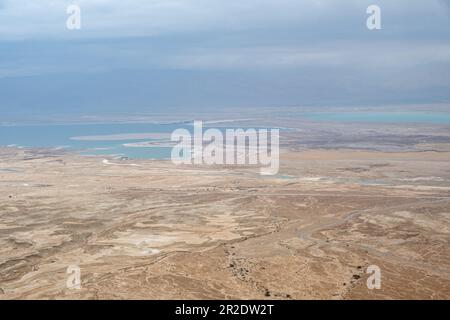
(61, 136)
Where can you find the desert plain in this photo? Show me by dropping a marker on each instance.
(149, 229)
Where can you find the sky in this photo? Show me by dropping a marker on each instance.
(159, 55)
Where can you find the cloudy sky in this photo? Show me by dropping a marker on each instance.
(152, 55)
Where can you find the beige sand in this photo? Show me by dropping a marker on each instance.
(151, 230)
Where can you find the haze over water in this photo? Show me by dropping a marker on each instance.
(122, 139)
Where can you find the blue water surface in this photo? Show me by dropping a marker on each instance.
(54, 136)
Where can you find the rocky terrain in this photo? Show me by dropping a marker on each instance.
(141, 229)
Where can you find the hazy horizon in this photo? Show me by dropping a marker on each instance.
(161, 56)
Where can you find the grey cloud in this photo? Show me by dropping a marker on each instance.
(446, 4)
(217, 52)
(114, 18)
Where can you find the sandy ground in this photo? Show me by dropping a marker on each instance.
(152, 230)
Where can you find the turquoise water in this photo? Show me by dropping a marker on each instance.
(59, 136)
(54, 136)
(381, 117)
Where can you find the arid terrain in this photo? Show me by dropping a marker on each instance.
(142, 229)
(224, 150)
